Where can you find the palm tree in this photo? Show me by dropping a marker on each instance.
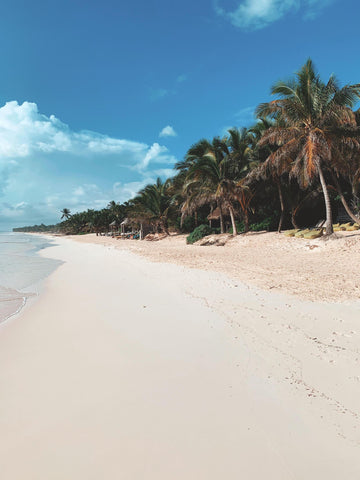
(238, 142)
(348, 168)
(66, 214)
(241, 147)
(267, 167)
(193, 193)
(154, 202)
(315, 118)
(211, 177)
(117, 210)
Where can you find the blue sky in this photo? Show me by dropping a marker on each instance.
(99, 98)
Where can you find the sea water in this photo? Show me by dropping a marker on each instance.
(21, 270)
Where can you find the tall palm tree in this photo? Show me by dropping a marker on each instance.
(316, 117)
(241, 146)
(66, 214)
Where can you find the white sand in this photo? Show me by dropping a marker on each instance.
(320, 270)
(126, 369)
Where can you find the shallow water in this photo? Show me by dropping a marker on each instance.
(21, 270)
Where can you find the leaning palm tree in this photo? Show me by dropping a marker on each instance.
(66, 214)
(315, 117)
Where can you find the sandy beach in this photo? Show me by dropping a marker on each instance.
(321, 270)
(154, 360)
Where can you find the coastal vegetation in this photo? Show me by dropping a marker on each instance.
(300, 162)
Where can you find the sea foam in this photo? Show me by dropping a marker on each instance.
(21, 270)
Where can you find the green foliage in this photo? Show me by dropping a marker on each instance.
(239, 227)
(199, 232)
(37, 228)
(260, 175)
(264, 225)
(189, 223)
(154, 203)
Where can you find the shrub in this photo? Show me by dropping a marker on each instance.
(239, 227)
(199, 232)
(264, 225)
(189, 223)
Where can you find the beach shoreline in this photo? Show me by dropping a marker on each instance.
(129, 368)
(22, 271)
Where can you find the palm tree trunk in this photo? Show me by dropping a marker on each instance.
(163, 226)
(293, 221)
(232, 220)
(281, 204)
(246, 221)
(354, 191)
(343, 201)
(182, 220)
(328, 223)
(196, 218)
(222, 230)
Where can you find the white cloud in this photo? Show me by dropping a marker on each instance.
(155, 154)
(46, 166)
(47, 209)
(125, 191)
(168, 131)
(24, 131)
(257, 14)
(164, 172)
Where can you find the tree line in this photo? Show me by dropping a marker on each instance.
(301, 159)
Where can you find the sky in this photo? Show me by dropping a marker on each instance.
(99, 98)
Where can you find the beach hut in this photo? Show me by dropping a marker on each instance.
(113, 227)
(123, 225)
(213, 215)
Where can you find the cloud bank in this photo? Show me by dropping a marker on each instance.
(257, 14)
(46, 166)
(24, 131)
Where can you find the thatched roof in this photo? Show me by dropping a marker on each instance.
(126, 221)
(215, 214)
(113, 224)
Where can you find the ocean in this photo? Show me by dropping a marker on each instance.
(21, 270)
